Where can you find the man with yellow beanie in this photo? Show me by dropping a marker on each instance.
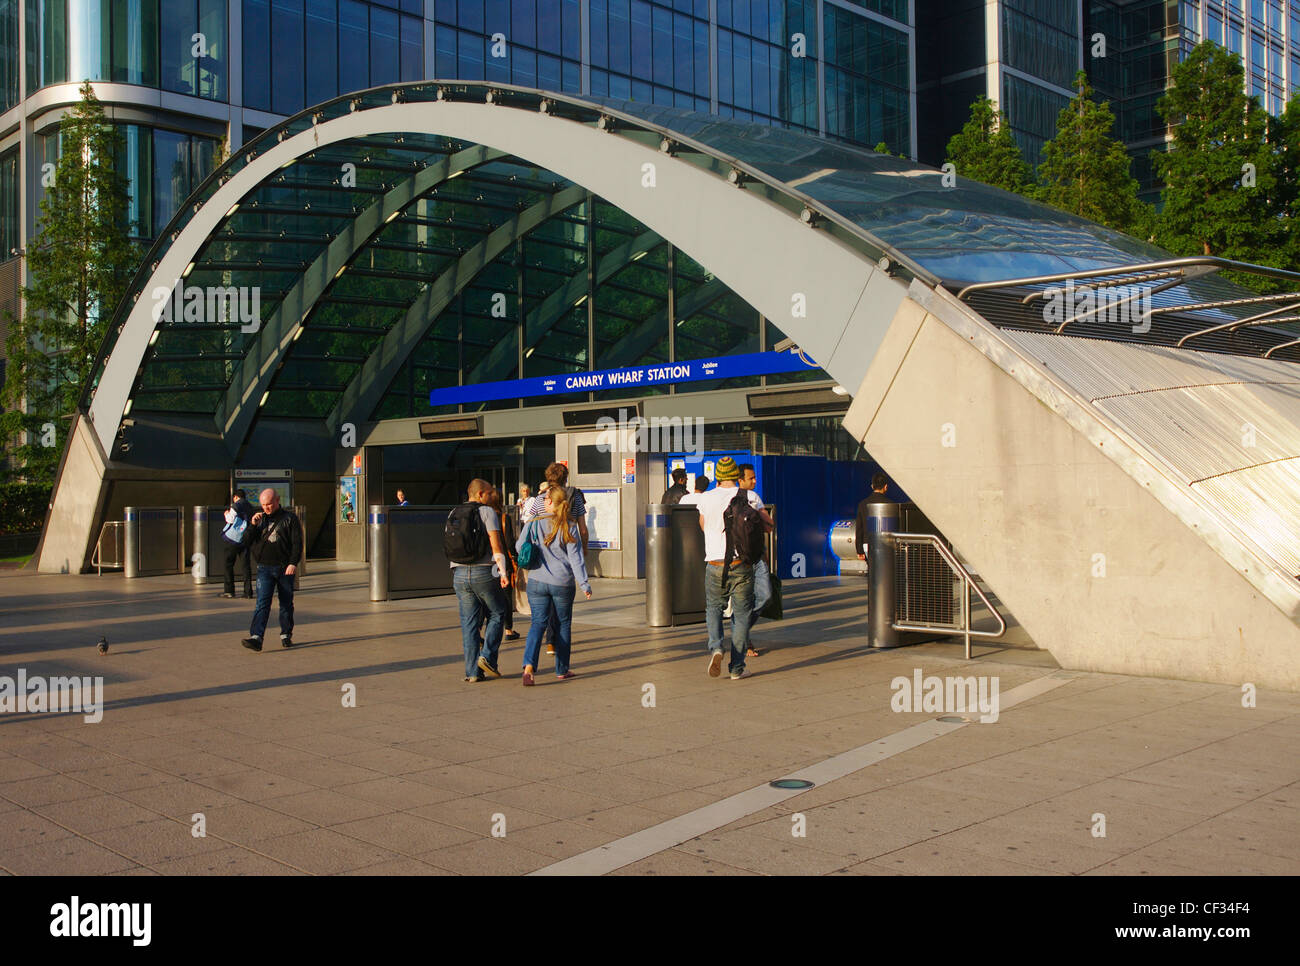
(729, 573)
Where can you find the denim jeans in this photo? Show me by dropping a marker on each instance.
(740, 588)
(545, 600)
(479, 595)
(273, 580)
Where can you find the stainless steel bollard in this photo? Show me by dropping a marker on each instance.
(377, 524)
(658, 566)
(882, 518)
(131, 542)
(199, 532)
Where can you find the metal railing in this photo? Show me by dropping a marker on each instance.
(116, 558)
(925, 597)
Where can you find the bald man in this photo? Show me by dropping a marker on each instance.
(277, 550)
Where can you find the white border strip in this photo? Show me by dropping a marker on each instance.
(666, 835)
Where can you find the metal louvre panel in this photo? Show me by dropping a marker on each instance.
(1204, 431)
(1097, 369)
(1263, 503)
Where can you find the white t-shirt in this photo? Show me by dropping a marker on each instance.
(690, 499)
(712, 505)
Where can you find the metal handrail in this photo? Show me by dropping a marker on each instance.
(116, 527)
(968, 583)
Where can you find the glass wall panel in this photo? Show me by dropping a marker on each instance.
(287, 66)
(322, 39)
(10, 205)
(385, 57)
(257, 54)
(9, 54)
(354, 46)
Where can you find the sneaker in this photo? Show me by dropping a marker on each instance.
(727, 613)
(715, 664)
(487, 668)
(528, 677)
(229, 595)
(744, 672)
(566, 675)
(478, 678)
(252, 643)
(550, 649)
(286, 641)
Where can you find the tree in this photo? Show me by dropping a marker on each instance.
(1286, 170)
(985, 150)
(1220, 183)
(1086, 171)
(80, 263)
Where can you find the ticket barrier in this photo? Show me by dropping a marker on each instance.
(154, 541)
(208, 546)
(406, 558)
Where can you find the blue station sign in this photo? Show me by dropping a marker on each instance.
(633, 377)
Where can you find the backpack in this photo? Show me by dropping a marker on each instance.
(746, 538)
(465, 539)
(530, 554)
(236, 527)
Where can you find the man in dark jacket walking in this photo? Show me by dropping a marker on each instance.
(277, 548)
(236, 548)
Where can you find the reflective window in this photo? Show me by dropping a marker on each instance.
(179, 46)
(867, 81)
(302, 52)
(10, 204)
(535, 43)
(8, 54)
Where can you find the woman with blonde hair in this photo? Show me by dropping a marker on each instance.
(559, 568)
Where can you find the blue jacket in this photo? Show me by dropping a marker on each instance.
(561, 563)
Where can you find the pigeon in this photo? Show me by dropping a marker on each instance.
(103, 645)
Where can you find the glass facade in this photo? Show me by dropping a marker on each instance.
(178, 45)
(10, 205)
(301, 52)
(9, 53)
(867, 81)
(162, 168)
(537, 43)
(1147, 39)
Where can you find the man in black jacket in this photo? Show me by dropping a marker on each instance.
(277, 548)
(879, 487)
(674, 493)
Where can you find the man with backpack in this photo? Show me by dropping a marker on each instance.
(734, 524)
(762, 573)
(473, 545)
(238, 542)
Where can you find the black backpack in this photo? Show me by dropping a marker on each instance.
(465, 539)
(746, 538)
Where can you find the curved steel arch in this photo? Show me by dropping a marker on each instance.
(831, 297)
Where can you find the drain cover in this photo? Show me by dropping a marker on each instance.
(791, 783)
(955, 719)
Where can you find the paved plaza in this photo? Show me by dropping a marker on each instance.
(641, 765)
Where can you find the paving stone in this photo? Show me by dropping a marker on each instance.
(65, 856)
(86, 815)
(161, 840)
(486, 856)
(231, 861)
(324, 852)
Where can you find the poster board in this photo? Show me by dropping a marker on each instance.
(348, 500)
(253, 482)
(604, 523)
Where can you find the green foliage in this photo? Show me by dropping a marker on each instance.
(80, 264)
(1220, 174)
(22, 506)
(1086, 171)
(29, 455)
(985, 150)
(1285, 143)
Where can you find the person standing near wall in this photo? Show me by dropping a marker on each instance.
(762, 570)
(674, 493)
(879, 488)
(508, 543)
